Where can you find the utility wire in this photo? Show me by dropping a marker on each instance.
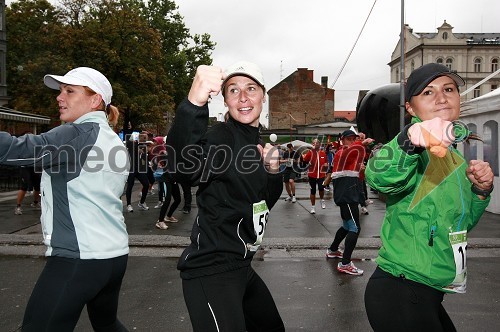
(353, 46)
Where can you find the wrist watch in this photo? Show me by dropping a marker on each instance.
(481, 192)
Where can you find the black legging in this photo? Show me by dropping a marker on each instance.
(398, 304)
(172, 191)
(161, 190)
(66, 285)
(143, 179)
(186, 192)
(150, 175)
(231, 301)
(347, 212)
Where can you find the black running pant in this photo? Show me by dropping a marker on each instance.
(398, 304)
(66, 285)
(143, 179)
(233, 301)
(172, 192)
(350, 218)
(188, 198)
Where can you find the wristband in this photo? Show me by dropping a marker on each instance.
(481, 192)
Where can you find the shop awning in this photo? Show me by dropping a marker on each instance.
(13, 115)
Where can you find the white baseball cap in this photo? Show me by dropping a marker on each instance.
(245, 68)
(83, 76)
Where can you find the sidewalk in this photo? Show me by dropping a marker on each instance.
(310, 294)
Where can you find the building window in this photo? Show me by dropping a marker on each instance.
(494, 65)
(470, 149)
(439, 60)
(494, 87)
(490, 138)
(412, 65)
(477, 92)
(477, 65)
(449, 63)
(445, 35)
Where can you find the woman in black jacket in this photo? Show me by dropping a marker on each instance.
(238, 184)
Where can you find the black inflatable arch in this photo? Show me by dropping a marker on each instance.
(378, 113)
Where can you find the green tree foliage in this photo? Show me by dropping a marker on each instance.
(31, 53)
(183, 52)
(144, 48)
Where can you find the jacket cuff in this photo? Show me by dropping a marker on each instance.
(405, 143)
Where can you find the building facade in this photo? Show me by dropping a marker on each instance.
(474, 56)
(298, 100)
(482, 116)
(3, 56)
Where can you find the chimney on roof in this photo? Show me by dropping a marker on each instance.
(324, 81)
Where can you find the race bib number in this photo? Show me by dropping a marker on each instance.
(260, 218)
(458, 241)
(289, 162)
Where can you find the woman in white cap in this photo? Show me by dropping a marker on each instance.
(85, 166)
(434, 197)
(238, 184)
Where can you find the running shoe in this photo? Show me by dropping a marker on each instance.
(36, 205)
(157, 206)
(171, 219)
(130, 208)
(288, 199)
(18, 211)
(143, 206)
(323, 204)
(334, 254)
(313, 210)
(364, 210)
(161, 225)
(294, 199)
(349, 269)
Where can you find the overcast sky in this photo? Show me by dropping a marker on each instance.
(282, 36)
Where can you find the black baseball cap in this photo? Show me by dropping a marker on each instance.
(348, 133)
(421, 77)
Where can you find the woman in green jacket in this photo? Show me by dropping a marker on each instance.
(434, 197)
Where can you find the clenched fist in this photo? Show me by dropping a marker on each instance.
(207, 82)
(435, 135)
(270, 155)
(480, 174)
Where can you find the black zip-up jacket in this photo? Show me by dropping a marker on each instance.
(227, 167)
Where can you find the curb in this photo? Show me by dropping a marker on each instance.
(171, 241)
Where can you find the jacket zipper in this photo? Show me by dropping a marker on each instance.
(431, 235)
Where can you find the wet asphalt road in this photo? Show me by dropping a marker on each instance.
(310, 294)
